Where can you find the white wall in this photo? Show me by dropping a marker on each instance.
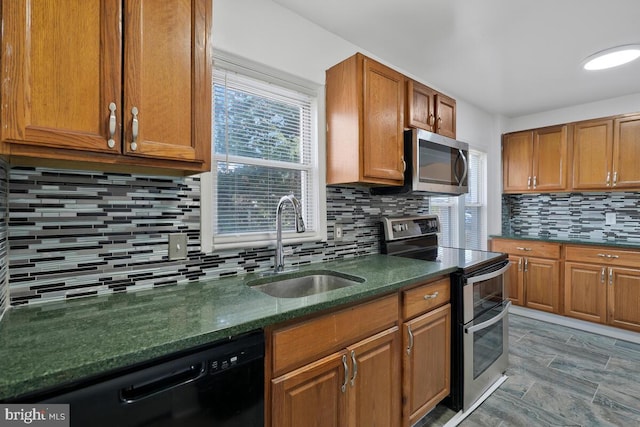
(593, 110)
(265, 32)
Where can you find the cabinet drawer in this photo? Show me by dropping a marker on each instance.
(426, 297)
(526, 248)
(310, 340)
(602, 255)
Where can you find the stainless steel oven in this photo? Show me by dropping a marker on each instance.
(479, 335)
(483, 332)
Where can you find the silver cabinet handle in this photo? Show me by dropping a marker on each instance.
(528, 183)
(431, 121)
(346, 373)
(611, 276)
(608, 178)
(602, 275)
(404, 164)
(439, 123)
(355, 367)
(112, 125)
(431, 296)
(613, 256)
(615, 178)
(520, 264)
(526, 264)
(520, 248)
(602, 255)
(535, 182)
(410, 333)
(134, 129)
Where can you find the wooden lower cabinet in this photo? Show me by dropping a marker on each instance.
(602, 284)
(515, 280)
(426, 363)
(585, 291)
(623, 298)
(534, 278)
(542, 284)
(359, 386)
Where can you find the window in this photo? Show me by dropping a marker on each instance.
(473, 204)
(264, 146)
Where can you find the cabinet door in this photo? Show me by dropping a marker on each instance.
(446, 115)
(585, 291)
(517, 161)
(592, 152)
(168, 79)
(312, 395)
(61, 68)
(550, 159)
(383, 143)
(624, 298)
(426, 363)
(515, 280)
(374, 387)
(542, 284)
(420, 106)
(626, 152)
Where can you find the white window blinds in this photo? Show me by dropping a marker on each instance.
(264, 148)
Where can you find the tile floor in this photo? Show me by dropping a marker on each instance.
(559, 376)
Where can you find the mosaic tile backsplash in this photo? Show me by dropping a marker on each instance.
(76, 233)
(572, 215)
(4, 284)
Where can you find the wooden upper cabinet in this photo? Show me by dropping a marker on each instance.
(535, 161)
(592, 148)
(74, 80)
(550, 159)
(365, 118)
(446, 115)
(517, 161)
(430, 110)
(61, 70)
(626, 152)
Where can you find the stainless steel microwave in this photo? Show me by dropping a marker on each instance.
(439, 164)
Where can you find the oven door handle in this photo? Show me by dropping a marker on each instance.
(474, 279)
(493, 320)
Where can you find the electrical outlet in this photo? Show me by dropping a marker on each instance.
(338, 232)
(610, 218)
(177, 246)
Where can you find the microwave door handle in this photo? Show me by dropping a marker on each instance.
(455, 170)
(466, 167)
(492, 321)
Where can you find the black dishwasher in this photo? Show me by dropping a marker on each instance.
(220, 385)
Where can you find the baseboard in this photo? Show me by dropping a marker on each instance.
(582, 325)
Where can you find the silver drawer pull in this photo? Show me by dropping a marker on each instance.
(431, 296)
(520, 248)
(354, 362)
(602, 255)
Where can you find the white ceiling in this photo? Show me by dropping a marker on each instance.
(514, 57)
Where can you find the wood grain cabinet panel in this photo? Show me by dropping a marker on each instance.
(626, 152)
(427, 363)
(592, 148)
(430, 110)
(365, 123)
(585, 291)
(534, 278)
(535, 161)
(76, 73)
(623, 298)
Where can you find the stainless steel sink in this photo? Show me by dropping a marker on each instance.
(303, 284)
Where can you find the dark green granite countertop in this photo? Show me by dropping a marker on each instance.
(60, 342)
(570, 240)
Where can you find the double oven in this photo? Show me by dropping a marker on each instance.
(480, 305)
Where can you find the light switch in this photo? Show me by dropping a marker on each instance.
(610, 218)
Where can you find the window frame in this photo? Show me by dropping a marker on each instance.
(208, 181)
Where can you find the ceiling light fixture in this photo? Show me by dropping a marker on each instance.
(612, 57)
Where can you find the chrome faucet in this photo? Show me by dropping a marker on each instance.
(299, 223)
